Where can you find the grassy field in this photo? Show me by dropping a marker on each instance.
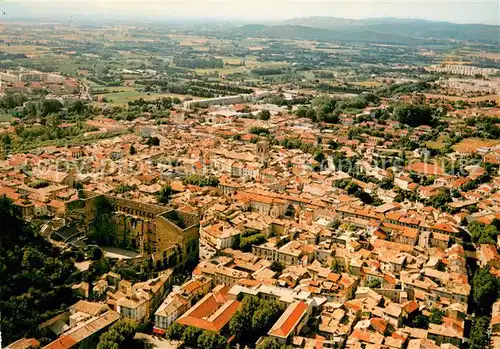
(231, 60)
(489, 55)
(250, 63)
(474, 143)
(128, 94)
(112, 89)
(24, 49)
(439, 143)
(5, 117)
(368, 83)
(224, 70)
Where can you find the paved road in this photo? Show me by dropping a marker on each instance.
(157, 342)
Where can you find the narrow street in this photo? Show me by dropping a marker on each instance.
(157, 342)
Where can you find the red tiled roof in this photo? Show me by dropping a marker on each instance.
(63, 342)
(379, 324)
(363, 336)
(286, 325)
(425, 168)
(212, 312)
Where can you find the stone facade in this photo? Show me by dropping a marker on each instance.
(147, 228)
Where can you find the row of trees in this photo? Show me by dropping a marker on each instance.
(248, 238)
(222, 88)
(421, 321)
(194, 337)
(414, 115)
(50, 131)
(38, 105)
(482, 233)
(201, 181)
(485, 291)
(254, 318)
(486, 127)
(327, 109)
(163, 103)
(266, 71)
(270, 343)
(259, 131)
(194, 63)
(295, 143)
(120, 335)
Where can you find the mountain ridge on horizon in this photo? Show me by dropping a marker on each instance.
(296, 20)
(377, 29)
(20, 10)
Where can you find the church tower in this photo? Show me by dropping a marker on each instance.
(263, 151)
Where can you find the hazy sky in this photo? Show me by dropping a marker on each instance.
(464, 11)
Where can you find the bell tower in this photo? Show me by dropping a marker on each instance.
(263, 151)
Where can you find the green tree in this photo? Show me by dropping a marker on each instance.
(190, 336)
(306, 112)
(441, 199)
(264, 115)
(479, 333)
(374, 283)
(239, 324)
(337, 267)
(53, 120)
(119, 335)
(269, 343)
(319, 157)
(420, 321)
(333, 145)
(414, 114)
(247, 242)
(211, 340)
(259, 131)
(265, 316)
(483, 234)
(175, 331)
(484, 288)
(132, 150)
(77, 107)
(50, 106)
(352, 188)
(436, 316)
(201, 181)
(95, 253)
(253, 319)
(153, 141)
(277, 266)
(6, 140)
(35, 276)
(164, 194)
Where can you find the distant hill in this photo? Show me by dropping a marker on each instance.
(375, 30)
(415, 29)
(320, 34)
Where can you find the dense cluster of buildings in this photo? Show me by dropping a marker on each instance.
(35, 81)
(457, 69)
(473, 85)
(275, 226)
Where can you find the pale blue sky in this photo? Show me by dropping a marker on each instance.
(468, 11)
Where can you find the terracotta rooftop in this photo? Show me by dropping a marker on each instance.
(289, 320)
